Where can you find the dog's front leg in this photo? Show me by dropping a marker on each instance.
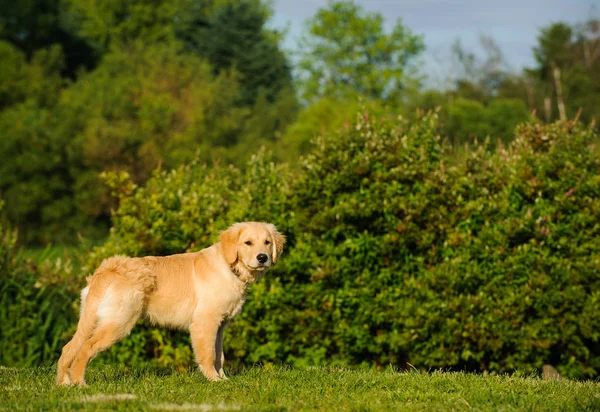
(204, 332)
(219, 353)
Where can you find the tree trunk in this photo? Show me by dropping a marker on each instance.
(562, 113)
(591, 51)
(547, 108)
(529, 91)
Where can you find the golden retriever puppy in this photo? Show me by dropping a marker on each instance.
(198, 291)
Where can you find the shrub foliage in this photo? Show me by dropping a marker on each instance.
(36, 309)
(399, 253)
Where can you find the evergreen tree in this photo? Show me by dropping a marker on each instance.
(232, 34)
(32, 25)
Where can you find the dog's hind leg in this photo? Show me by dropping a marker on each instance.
(87, 323)
(117, 314)
(103, 337)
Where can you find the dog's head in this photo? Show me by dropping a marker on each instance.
(253, 246)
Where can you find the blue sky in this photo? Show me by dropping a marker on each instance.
(514, 24)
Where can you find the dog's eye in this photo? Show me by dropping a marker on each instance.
(248, 243)
(267, 242)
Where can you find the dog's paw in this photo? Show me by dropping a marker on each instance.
(215, 378)
(64, 380)
(222, 375)
(210, 374)
(78, 382)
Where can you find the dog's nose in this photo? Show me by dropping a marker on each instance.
(262, 258)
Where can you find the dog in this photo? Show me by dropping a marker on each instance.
(200, 292)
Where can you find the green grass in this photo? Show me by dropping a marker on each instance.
(66, 252)
(280, 389)
(39, 254)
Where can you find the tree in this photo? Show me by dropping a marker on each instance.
(33, 25)
(553, 53)
(232, 34)
(117, 23)
(477, 78)
(554, 48)
(39, 79)
(588, 34)
(325, 116)
(229, 34)
(469, 119)
(347, 52)
(35, 178)
(152, 100)
(136, 110)
(568, 67)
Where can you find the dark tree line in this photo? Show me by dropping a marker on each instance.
(111, 85)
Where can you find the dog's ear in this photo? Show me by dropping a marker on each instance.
(278, 242)
(229, 239)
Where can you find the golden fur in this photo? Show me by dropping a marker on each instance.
(198, 291)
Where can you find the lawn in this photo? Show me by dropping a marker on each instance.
(280, 389)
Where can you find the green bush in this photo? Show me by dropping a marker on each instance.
(398, 258)
(467, 119)
(397, 254)
(324, 116)
(37, 306)
(489, 265)
(185, 209)
(394, 255)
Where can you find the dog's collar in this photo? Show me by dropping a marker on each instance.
(236, 271)
(247, 276)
